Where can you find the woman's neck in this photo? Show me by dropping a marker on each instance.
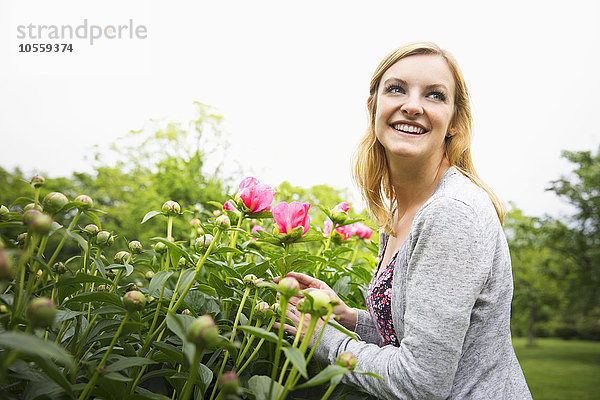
(414, 183)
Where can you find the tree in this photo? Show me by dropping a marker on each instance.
(537, 271)
(579, 239)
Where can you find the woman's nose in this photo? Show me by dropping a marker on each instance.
(411, 106)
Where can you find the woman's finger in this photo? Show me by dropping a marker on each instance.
(288, 328)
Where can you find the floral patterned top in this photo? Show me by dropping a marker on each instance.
(379, 302)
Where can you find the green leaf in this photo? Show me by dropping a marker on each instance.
(342, 285)
(80, 240)
(172, 352)
(330, 372)
(82, 277)
(101, 297)
(222, 289)
(261, 215)
(158, 280)
(259, 386)
(187, 276)
(179, 323)
(374, 375)
(100, 266)
(128, 363)
(53, 373)
(209, 290)
(36, 347)
(225, 250)
(115, 376)
(23, 201)
(310, 238)
(297, 359)
(150, 214)
(261, 333)
(94, 218)
(342, 329)
(145, 394)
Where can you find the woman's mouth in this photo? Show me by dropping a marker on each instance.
(409, 129)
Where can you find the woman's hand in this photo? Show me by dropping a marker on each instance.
(347, 315)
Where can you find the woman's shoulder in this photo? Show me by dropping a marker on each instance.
(457, 195)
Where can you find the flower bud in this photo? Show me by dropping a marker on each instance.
(41, 312)
(230, 383)
(150, 274)
(203, 242)
(29, 215)
(3, 210)
(60, 268)
(134, 301)
(288, 286)
(264, 309)
(121, 257)
(223, 222)
(41, 223)
(32, 206)
(339, 217)
(103, 288)
(186, 312)
(195, 222)
(203, 331)
(346, 359)
(21, 238)
(250, 279)
(53, 202)
(90, 230)
(37, 181)
(160, 248)
(135, 247)
(6, 266)
(171, 208)
(3, 309)
(321, 301)
(216, 213)
(276, 307)
(181, 262)
(86, 202)
(104, 238)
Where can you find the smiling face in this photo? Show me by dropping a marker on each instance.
(415, 105)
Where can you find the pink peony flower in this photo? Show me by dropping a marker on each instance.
(327, 228)
(229, 206)
(255, 229)
(347, 231)
(343, 206)
(290, 216)
(362, 230)
(256, 196)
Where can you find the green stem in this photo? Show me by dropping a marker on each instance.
(283, 307)
(90, 385)
(234, 239)
(257, 349)
(189, 383)
(64, 239)
(232, 338)
(21, 267)
(329, 391)
(287, 362)
(245, 347)
(170, 239)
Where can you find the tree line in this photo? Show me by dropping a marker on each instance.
(556, 261)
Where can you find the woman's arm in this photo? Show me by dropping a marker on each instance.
(446, 272)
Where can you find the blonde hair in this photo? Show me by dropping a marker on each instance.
(371, 170)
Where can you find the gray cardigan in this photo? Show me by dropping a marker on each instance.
(451, 299)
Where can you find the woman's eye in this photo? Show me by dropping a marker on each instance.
(437, 96)
(395, 89)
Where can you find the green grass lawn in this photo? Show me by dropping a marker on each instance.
(560, 369)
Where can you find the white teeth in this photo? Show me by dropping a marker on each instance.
(409, 128)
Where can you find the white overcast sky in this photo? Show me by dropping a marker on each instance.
(291, 79)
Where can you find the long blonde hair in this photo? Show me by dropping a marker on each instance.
(371, 170)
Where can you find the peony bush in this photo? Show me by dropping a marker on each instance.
(188, 315)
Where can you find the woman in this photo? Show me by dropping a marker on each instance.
(438, 319)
